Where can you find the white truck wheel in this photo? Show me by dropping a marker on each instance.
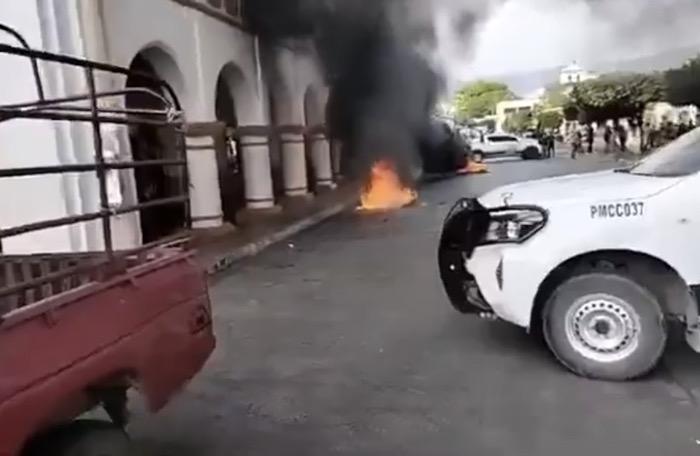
(605, 325)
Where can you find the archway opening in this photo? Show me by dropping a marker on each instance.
(229, 158)
(150, 142)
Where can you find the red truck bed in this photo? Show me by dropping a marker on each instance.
(78, 330)
(63, 342)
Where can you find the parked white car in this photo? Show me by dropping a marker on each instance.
(502, 144)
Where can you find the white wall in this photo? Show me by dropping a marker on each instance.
(199, 45)
(503, 107)
(199, 48)
(32, 143)
(299, 73)
(218, 45)
(569, 77)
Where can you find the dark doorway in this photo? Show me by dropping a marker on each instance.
(275, 144)
(154, 143)
(228, 152)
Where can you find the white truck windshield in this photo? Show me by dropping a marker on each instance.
(677, 158)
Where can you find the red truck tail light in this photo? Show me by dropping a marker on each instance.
(200, 318)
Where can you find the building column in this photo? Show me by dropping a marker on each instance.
(294, 165)
(205, 194)
(257, 173)
(321, 156)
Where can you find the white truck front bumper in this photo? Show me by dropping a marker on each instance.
(502, 279)
(507, 279)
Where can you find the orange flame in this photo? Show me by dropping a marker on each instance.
(384, 189)
(473, 167)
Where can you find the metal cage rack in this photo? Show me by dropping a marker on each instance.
(90, 108)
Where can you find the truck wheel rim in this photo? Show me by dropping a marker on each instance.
(603, 328)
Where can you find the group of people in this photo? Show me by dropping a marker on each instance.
(616, 136)
(546, 138)
(655, 136)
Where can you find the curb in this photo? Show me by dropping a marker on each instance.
(227, 259)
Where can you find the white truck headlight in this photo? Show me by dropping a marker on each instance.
(514, 225)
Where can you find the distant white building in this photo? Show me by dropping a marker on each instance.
(568, 75)
(575, 73)
(510, 107)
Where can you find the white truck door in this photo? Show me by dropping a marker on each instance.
(681, 243)
(683, 218)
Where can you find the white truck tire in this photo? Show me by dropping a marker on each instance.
(606, 326)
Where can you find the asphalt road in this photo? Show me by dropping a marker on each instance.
(342, 342)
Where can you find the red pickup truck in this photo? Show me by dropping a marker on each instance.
(79, 330)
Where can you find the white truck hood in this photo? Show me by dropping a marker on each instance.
(596, 186)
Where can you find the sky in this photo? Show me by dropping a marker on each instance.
(527, 35)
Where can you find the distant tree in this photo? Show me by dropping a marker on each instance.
(489, 124)
(461, 118)
(555, 96)
(571, 111)
(683, 83)
(517, 122)
(479, 98)
(615, 96)
(549, 118)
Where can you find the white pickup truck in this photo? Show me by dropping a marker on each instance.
(502, 144)
(598, 263)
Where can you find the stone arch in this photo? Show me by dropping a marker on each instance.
(159, 57)
(234, 105)
(233, 85)
(152, 143)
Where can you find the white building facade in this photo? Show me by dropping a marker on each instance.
(197, 46)
(506, 108)
(574, 73)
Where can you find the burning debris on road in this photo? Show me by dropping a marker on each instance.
(384, 190)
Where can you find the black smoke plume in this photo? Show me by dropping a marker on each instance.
(382, 90)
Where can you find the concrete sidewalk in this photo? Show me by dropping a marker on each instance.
(221, 252)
